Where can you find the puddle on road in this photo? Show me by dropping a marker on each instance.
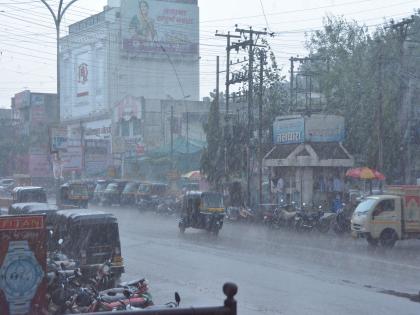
(411, 297)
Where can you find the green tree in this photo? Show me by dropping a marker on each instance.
(212, 159)
(359, 74)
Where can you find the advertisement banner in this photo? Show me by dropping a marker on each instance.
(129, 107)
(72, 159)
(96, 130)
(23, 255)
(39, 165)
(97, 155)
(160, 26)
(289, 130)
(59, 138)
(324, 128)
(82, 73)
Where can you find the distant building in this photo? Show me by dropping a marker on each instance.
(117, 68)
(32, 115)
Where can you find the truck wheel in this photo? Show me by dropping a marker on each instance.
(388, 238)
(371, 241)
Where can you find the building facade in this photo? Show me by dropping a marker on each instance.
(116, 69)
(33, 114)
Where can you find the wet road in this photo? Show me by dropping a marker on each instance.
(277, 272)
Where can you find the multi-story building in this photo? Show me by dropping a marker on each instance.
(117, 67)
(33, 114)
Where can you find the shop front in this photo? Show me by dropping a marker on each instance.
(308, 161)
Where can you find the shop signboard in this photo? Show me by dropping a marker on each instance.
(23, 255)
(97, 155)
(160, 27)
(58, 138)
(314, 128)
(324, 128)
(289, 129)
(95, 130)
(72, 158)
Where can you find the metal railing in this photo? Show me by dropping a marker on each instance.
(229, 307)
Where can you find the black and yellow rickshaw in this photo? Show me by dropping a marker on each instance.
(74, 194)
(202, 210)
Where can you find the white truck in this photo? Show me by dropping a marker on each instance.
(385, 219)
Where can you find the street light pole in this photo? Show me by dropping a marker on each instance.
(62, 8)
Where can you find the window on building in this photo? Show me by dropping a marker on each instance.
(136, 127)
(125, 128)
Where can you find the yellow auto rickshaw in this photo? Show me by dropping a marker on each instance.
(202, 210)
(74, 194)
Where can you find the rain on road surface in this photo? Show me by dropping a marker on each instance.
(277, 272)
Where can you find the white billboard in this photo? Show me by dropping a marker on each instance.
(160, 26)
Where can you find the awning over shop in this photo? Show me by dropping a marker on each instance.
(180, 146)
(316, 154)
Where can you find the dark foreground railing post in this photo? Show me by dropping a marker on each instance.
(230, 290)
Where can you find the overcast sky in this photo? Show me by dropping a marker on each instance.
(27, 36)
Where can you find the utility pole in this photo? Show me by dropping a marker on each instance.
(260, 111)
(291, 82)
(228, 37)
(379, 114)
(58, 17)
(172, 137)
(228, 49)
(217, 80)
(251, 46)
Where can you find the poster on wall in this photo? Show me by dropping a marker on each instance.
(23, 255)
(160, 26)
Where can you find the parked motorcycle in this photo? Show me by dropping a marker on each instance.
(62, 291)
(129, 306)
(113, 299)
(166, 206)
(307, 221)
(342, 223)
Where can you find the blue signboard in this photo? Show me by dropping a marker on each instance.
(289, 130)
(314, 128)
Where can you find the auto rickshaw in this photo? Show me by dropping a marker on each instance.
(29, 194)
(149, 195)
(89, 237)
(202, 210)
(128, 196)
(74, 194)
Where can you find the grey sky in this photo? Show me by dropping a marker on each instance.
(27, 51)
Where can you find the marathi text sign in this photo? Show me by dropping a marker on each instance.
(152, 26)
(314, 128)
(289, 131)
(23, 254)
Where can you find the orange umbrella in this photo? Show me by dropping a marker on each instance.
(194, 175)
(365, 173)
